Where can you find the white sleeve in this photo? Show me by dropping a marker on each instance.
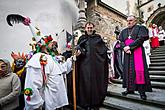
(67, 66)
(150, 32)
(34, 80)
(163, 33)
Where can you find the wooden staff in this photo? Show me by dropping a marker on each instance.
(73, 73)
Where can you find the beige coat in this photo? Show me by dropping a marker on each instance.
(9, 91)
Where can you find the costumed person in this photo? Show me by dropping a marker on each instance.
(44, 82)
(135, 70)
(10, 87)
(18, 67)
(92, 69)
(161, 35)
(154, 36)
(117, 54)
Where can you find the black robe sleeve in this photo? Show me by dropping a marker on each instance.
(141, 37)
(122, 44)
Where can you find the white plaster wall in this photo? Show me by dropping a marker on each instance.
(51, 16)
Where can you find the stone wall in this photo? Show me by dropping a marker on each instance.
(105, 20)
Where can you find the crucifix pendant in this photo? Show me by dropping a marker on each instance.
(129, 37)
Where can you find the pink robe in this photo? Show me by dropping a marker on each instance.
(139, 64)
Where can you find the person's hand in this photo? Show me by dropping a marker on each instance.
(128, 52)
(77, 52)
(126, 48)
(27, 21)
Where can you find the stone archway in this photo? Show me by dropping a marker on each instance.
(158, 17)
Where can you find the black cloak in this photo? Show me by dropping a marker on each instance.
(92, 71)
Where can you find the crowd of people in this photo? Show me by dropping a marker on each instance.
(37, 82)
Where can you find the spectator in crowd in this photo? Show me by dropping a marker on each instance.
(154, 36)
(117, 56)
(10, 87)
(161, 35)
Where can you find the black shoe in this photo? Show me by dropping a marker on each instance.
(143, 96)
(127, 92)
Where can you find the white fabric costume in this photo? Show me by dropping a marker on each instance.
(161, 35)
(53, 94)
(150, 33)
(147, 48)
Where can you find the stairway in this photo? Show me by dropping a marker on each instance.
(155, 100)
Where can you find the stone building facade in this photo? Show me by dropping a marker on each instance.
(105, 20)
(151, 11)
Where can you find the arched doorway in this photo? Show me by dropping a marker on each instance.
(158, 17)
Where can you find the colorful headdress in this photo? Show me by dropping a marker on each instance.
(18, 56)
(19, 63)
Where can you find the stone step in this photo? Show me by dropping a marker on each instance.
(157, 60)
(157, 52)
(159, 49)
(157, 67)
(110, 106)
(157, 64)
(71, 107)
(154, 84)
(155, 100)
(159, 85)
(118, 103)
(155, 72)
(104, 107)
(157, 57)
(157, 78)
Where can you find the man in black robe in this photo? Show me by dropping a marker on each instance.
(117, 57)
(92, 69)
(135, 70)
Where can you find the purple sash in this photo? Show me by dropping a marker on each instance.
(138, 62)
